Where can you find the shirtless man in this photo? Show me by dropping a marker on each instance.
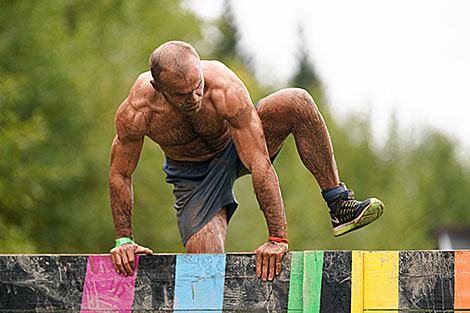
(202, 117)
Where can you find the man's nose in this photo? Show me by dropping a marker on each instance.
(194, 97)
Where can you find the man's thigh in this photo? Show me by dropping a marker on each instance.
(276, 114)
(210, 238)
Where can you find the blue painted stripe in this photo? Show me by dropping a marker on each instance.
(199, 283)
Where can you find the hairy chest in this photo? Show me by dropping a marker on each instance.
(205, 127)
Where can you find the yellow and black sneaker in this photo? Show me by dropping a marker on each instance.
(348, 214)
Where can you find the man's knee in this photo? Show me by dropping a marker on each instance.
(291, 99)
(303, 99)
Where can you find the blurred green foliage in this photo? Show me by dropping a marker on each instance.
(65, 66)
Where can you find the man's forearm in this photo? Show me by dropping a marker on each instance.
(121, 205)
(266, 186)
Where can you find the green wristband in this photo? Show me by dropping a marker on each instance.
(123, 240)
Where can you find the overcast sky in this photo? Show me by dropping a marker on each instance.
(410, 57)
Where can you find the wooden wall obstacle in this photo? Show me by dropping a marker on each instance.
(311, 281)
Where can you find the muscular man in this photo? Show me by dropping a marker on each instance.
(202, 117)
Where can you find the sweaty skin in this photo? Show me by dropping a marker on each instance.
(193, 118)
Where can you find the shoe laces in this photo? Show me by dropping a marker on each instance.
(347, 209)
(345, 206)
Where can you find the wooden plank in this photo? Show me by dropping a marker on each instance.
(381, 281)
(312, 281)
(357, 282)
(420, 311)
(295, 303)
(336, 282)
(243, 290)
(426, 280)
(462, 280)
(155, 282)
(313, 264)
(41, 283)
(199, 282)
(105, 289)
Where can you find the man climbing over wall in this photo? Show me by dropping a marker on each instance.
(202, 117)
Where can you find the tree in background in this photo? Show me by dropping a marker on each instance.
(305, 77)
(65, 67)
(227, 50)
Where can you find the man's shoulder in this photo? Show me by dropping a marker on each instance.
(133, 114)
(130, 120)
(224, 86)
(218, 77)
(216, 71)
(142, 96)
(142, 86)
(213, 64)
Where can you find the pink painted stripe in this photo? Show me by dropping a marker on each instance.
(106, 290)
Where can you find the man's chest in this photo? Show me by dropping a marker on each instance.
(170, 130)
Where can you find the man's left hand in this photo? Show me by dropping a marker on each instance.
(268, 259)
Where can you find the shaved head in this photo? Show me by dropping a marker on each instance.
(175, 58)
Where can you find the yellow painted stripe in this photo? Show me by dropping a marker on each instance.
(380, 280)
(357, 303)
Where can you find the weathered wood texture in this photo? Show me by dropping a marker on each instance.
(31, 283)
(311, 281)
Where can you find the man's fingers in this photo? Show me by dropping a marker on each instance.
(272, 266)
(120, 267)
(259, 263)
(141, 249)
(278, 264)
(123, 257)
(268, 260)
(113, 258)
(131, 259)
(265, 268)
(125, 264)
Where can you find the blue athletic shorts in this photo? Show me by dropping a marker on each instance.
(201, 189)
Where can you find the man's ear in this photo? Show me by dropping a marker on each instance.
(155, 85)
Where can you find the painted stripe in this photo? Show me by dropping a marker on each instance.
(462, 280)
(313, 265)
(199, 283)
(357, 282)
(381, 280)
(105, 289)
(336, 282)
(295, 303)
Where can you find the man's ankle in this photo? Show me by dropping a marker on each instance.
(333, 193)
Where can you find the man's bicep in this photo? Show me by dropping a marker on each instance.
(125, 155)
(131, 127)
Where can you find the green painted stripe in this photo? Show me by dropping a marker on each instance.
(313, 267)
(296, 283)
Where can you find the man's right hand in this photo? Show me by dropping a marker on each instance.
(268, 259)
(123, 257)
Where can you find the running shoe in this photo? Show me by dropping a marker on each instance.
(348, 214)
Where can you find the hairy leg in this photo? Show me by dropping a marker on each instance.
(211, 238)
(293, 111)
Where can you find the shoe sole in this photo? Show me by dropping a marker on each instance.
(372, 212)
